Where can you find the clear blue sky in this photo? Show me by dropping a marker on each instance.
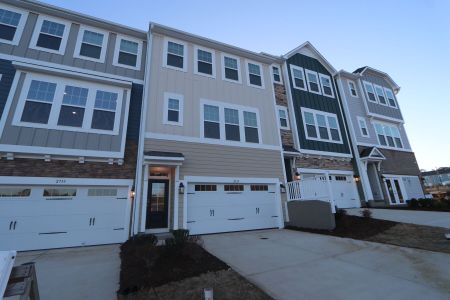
(408, 39)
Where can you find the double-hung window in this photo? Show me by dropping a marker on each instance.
(380, 94)
(38, 103)
(298, 78)
(276, 74)
(231, 68)
(254, 75)
(91, 44)
(370, 92)
(73, 106)
(313, 81)
(327, 86)
(388, 135)
(251, 127)
(104, 110)
(352, 88)
(50, 35)
(127, 53)
(175, 55)
(321, 126)
(12, 22)
(205, 62)
(211, 121)
(173, 109)
(283, 117)
(232, 132)
(390, 97)
(363, 127)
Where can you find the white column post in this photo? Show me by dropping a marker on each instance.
(330, 192)
(144, 199)
(175, 199)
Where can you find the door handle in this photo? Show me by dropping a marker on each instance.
(90, 221)
(15, 222)
(257, 210)
(11, 224)
(93, 222)
(211, 212)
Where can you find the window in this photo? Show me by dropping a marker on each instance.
(211, 122)
(388, 135)
(102, 192)
(254, 75)
(340, 178)
(38, 102)
(370, 92)
(50, 35)
(7, 192)
(127, 53)
(298, 78)
(232, 132)
(60, 192)
(380, 94)
(363, 127)
(104, 110)
(74, 103)
(205, 62)
(91, 44)
(276, 74)
(231, 68)
(174, 55)
(321, 126)
(390, 97)
(233, 187)
(251, 127)
(352, 88)
(283, 117)
(205, 187)
(259, 187)
(313, 81)
(173, 109)
(12, 22)
(327, 86)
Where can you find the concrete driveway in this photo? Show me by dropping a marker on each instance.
(76, 273)
(428, 218)
(295, 265)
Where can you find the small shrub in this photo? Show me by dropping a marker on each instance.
(181, 236)
(141, 239)
(424, 203)
(340, 214)
(366, 213)
(413, 203)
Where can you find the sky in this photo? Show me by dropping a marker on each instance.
(408, 39)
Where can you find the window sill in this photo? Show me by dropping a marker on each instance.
(66, 128)
(175, 68)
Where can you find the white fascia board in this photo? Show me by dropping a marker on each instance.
(13, 180)
(205, 179)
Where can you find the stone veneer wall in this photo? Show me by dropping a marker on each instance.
(323, 163)
(281, 100)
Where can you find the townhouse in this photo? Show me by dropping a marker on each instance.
(70, 97)
(387, 165)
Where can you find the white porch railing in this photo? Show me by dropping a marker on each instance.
(294, 190)
(315, 188)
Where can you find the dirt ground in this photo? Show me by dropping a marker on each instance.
(227, 284)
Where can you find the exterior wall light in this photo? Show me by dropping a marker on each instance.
(132, 192)
(356, 178)
(181, 188)
(297, 176)
(282, 188)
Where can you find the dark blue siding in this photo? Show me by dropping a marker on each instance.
(134, 116)
(7, 70)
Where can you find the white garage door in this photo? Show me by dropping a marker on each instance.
(213, 207)
(344, 191)
(43, 217)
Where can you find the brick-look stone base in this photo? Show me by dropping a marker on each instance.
(286, 138)
(323, 163)
(72, 169)
(280, 94)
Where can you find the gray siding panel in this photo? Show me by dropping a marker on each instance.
(40, 137)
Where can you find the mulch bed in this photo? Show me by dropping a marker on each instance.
(145, 265)
(438, 209)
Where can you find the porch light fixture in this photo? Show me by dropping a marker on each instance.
(181, 188)
(132, 192)
(356, 178)
(282, 188)
(297, 176)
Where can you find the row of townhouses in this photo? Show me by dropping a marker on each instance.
(108, 131)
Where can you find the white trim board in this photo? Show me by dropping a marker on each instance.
(204, 179)
(325, 171)
(14, 180)
(59, 151)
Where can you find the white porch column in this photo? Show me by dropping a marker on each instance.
(175, 199)
(330, 192)
(144, 199)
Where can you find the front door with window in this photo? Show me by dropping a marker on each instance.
(157, 204)
(394, 191)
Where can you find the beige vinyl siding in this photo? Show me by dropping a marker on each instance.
(195, 87)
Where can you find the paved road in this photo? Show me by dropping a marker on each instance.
(429, 218)
(296, 265)
(76, 273)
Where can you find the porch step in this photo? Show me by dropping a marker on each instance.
(377, 203)
(163, 236)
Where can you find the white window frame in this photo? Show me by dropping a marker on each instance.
(213, 57)
(292, 67)
(180, 99)
(383, 125)
(349, 83)
(37, 31)
(387, 100)
(361, 119)
(58, 102)
(116, 63)
(279, 70)
(20, 26)
(318, 81)
(326, 115)
(185, 54)
(365, 83)
(375, 86)
(223, 55)
(321, 85)
(262, 86)
(76, 53)
(283, 108)
(240, 109)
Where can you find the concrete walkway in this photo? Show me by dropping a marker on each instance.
(76, 273)
(428, 218)
(295, 265)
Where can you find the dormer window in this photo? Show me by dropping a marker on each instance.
(380, 94)
(370, 92)
(390, 97)
(327, 86)
(352, 88)
(298, 78)
(313, 81)
(50, 35)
